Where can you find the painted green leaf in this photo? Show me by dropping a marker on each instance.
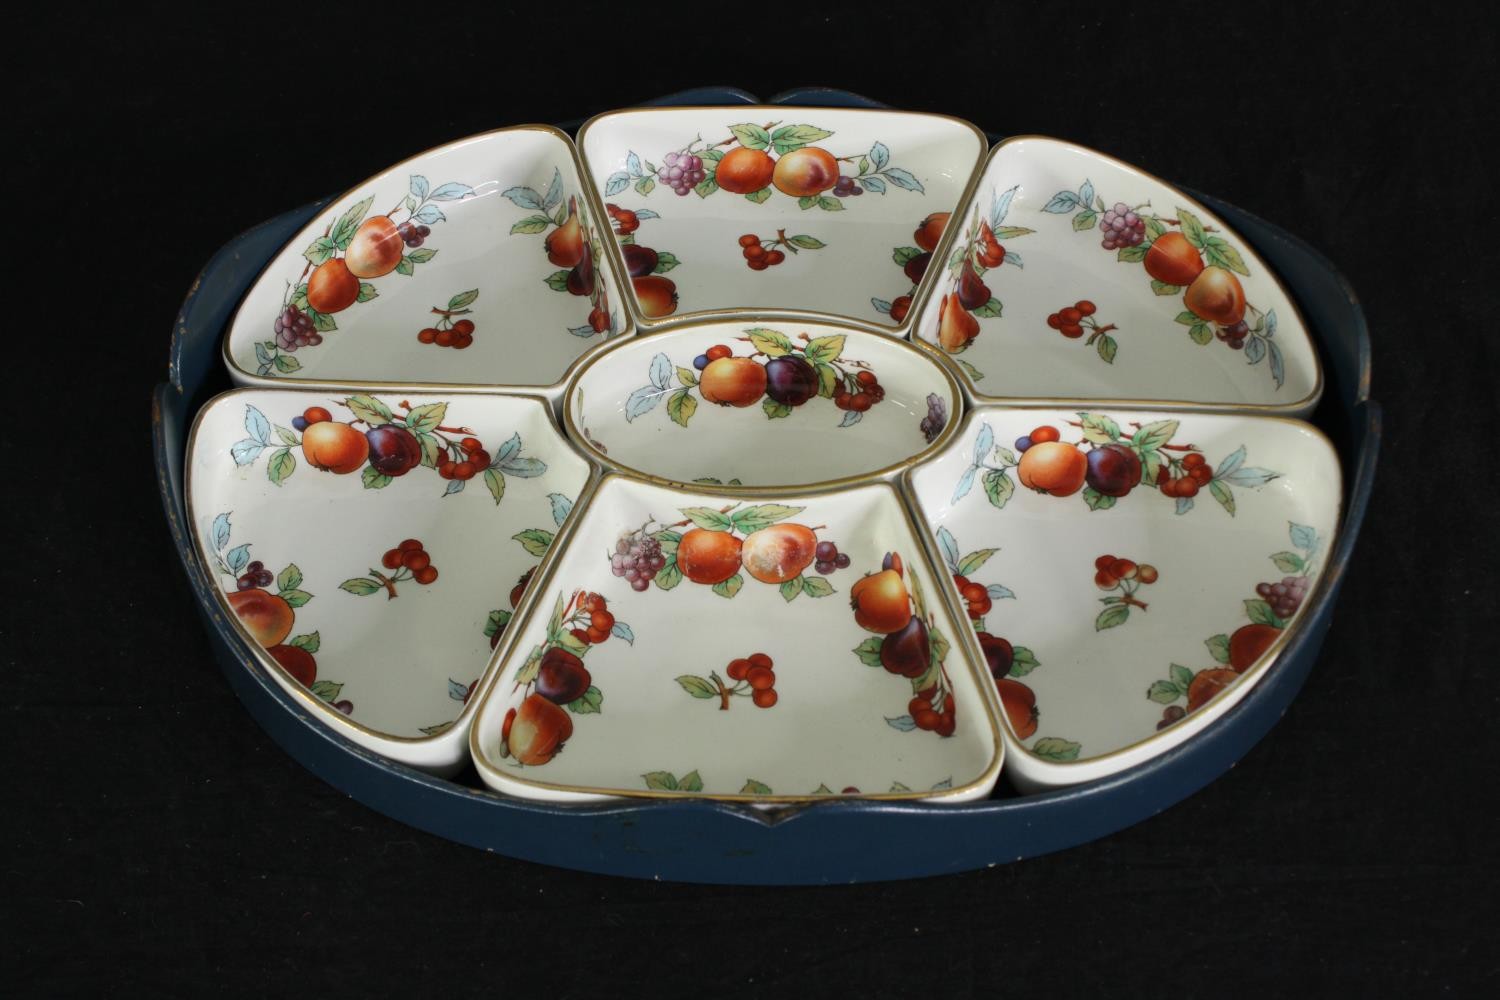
(707, 518)
(588, 703)
(791, 588)
(1164, 692)
(1261, 614)
(289, 578)
(971, 562)
(281, 465)
(1084, 220)
(1181, 676)
(531, 224)
(369, 409)
(1110, 617)
(494, 479)
(1099, 428)
(698, 687)
(534, 540)
(681, 407)
(1154, 434)
(824, 349)
(752, 519)
(1131, 255)
(660, 781)
(1162, 288)
(327, 690)
(374, 479)
(751, 136)
(1218, 647)
(869, 652)
(686, 376)
(497, 620)
(1056, 748)
(816, 586)
(360, 586)
(669, 575)
(775, 410)
(1223, 494)
(1097, 500)
(769, 342)
(690, 782)
(729, 587)
(753, 787)
(1023, 661)
(990, 310)
(998, 487)
(310, 641)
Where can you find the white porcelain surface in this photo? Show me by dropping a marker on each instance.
(1045, 202)
(1109, 659)
(645, 406)
(393, 658)
(840, 259)
(659, 711)
(491, 203)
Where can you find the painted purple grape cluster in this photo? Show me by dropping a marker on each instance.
(847, 186)
(1121, 227)
(638, 559)
(1284, 597)
(681, 172)
(1235, 335)
(295, 329)
(255, 575)
(937, 417)
(412, 234)
(830, 558)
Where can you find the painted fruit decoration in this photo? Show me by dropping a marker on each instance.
(553, 683)
(752, 677)
(758, 162)
(382, 443)
(721, 547)
(913, 261)
(571, 244)
(1123, 580)
(270, 616)
(1269, 612)
(1106, 464)
(450, 332)
(779, 373)
(762, 252)
(1007, 662)
(341, 265)
(1076, 320)
(1181, 255)
(536, 542)
(907, 643)
(968, 289)
(655, 294)
(408, 561)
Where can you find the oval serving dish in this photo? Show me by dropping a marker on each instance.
(668, 838)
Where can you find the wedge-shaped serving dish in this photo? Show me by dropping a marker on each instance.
(773, 210)
(757, 404)
(766, 650)
(372, 546)
(479, 263)
(1130, 574)
(1074, 276)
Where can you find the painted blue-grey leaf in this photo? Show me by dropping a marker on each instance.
(523, 196)
(617, 182)
(219, 532)
(419, 187)
(872, 184)
(554, 190)
(246, 451)
(1249, 476)
(661, 371)
(999, 593)
(949, 546)
(523, 468)
(1184, 504)
(633, 164)
(905, 723)
(1001, 208)
(851, 417)
(429, 215)
(965, 483)
(562, 506)
(508, 450)
(1304, 537)
(257, 426)
(622, 631)
(1063, 201)
(238, 557)
(643, 400)
(452, 191)
(904, 179)
(983, 443)
(879, 156)
(1234, 460)
(456, 690)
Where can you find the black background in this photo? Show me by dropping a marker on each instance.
(155, 839)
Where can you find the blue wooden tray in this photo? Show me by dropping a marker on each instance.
(843, 841)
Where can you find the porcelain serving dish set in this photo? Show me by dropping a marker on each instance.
(765, 454)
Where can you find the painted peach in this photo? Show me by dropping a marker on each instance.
(1217, 296)
(296, 661)
(1053, 467)
(805, 172)
(1206, 684)
(656, 295)
(744, 171)
(779, 553)
(1249, 643)
(733, 382)
(880, 602)
(334, 447)
(538, 731)
(1019, 702)
(268, 617)
(1172, 260)
(374, 250)
(708, 556)
(332, 287)
(930, 231)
